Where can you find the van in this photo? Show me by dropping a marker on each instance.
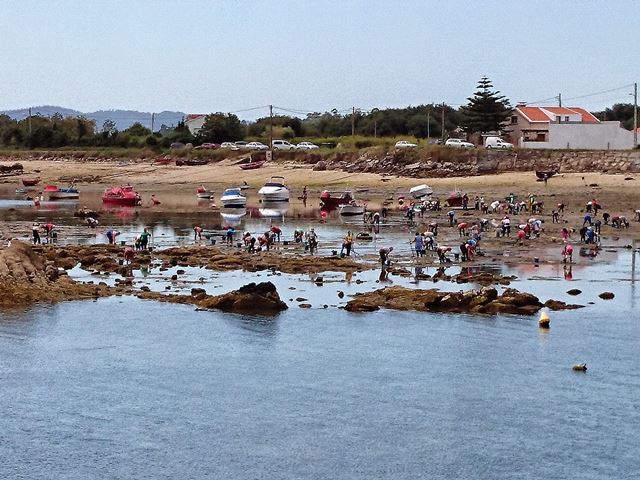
(282, 145)
(497, 142)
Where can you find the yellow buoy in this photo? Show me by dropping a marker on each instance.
(544, 320)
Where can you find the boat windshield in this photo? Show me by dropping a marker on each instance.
(273, 184)
(232, 191)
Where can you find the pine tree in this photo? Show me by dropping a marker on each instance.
(486, 111)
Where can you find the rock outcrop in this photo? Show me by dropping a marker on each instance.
(484, 301)
(27, 277)
(252, 299)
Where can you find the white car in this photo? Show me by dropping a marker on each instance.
(497, 142)
(256, 146)
(307, 146)
(229, 146)
(458, 143)
(282, 145)
(405, 144)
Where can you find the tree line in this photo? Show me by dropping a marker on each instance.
(486, 111)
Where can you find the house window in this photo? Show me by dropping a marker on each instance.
(566, 119)
(514, 119)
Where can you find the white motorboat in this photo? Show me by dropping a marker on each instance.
(233, 198)
(352, 209)
(420, 191)
(274, 190)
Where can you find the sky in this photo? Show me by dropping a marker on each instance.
(312, 55)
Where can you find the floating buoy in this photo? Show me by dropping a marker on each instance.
(580, 367)
(544, 320)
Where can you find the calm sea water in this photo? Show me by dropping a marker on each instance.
(122, 388)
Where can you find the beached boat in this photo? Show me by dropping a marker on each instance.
(454, 199)
(330, 202)
(352, 209)
(202, 192)
(191, 162)
(542, 174)
(233, 198)
(56, 193)
(30, 182)
(420, 191)
(274, 190)
(252, 165)
(162, 161)
(125, 196)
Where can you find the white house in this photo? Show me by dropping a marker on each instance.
(194, 122)
(565, 127)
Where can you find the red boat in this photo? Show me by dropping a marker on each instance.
(30, 182)
(124, 195)
(162, 161)
(252, 165)
(329, 202)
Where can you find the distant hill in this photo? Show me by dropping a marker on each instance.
(123, 118)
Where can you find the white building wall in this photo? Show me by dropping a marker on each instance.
(194, 125)
(585, 136)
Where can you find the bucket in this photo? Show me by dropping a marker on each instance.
(285, 242)
(239, 244)
(123, 242)
(213, 241)
(456, 256)
(536, 261)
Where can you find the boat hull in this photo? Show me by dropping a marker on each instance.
(251, 166)
(351, 210)
(63, 195)
(124, 202)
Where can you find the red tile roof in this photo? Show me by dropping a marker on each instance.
(547, 114)
(193, 116)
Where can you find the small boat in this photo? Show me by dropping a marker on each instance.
(57, 193)
(352, 209)
(542, 174)
(191, 162)
(233, 198)
(30, 182)
(125, 196)
(274, 190)
(329, 202)
(162, 161)
(202, 192)
(454, 199)
(252, 165)
(420, 191)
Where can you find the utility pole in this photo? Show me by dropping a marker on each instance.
(559, 99)
(353, 122)
(428, 124)
(635, 115)
(271, 127)
(30, 130)
(443, 105)
(153, 117)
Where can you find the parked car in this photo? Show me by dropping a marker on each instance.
(255, 146)
(241, 144)
(229, 146)
(282, 145)
(497, 142)
(207, 146)
(405, 144)
(307, 146)
(458, 143)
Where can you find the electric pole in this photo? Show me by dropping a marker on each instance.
(559, 99)
(428, 124)
(153, 117)
(271, 127)
(635, 115)
(443, 105)
(353, 122)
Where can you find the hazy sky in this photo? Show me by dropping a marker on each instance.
(203, 56)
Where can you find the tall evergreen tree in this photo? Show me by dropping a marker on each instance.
(486, 111)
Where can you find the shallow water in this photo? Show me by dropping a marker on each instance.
(122, 388)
